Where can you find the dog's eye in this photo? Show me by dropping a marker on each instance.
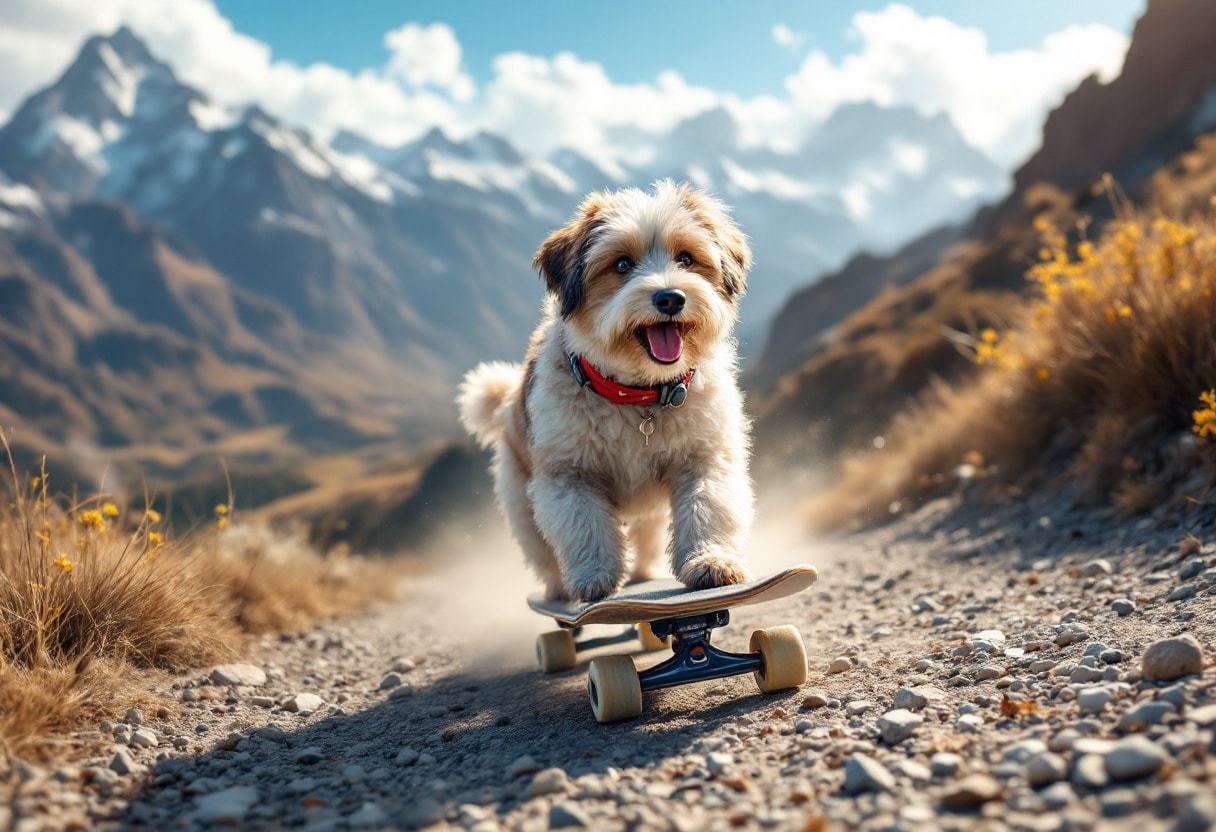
(684, 259)
(624, 265)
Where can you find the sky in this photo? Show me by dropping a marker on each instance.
(549, 74)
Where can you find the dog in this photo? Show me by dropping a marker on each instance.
(623, 431)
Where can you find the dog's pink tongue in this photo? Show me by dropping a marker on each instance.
(666, 343)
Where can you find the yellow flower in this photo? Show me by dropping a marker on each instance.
(92, 519)
(1043, 374)
(109, 510)
(153, 515)
(223, 523)
(156, 539)
(1205, 417)
(221, 509)
(63, 563)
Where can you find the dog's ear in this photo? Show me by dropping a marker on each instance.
(736, 258)
(561, 258)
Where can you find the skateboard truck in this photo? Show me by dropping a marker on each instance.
(693, 658)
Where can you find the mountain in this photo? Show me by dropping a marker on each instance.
(173, 256)
(831, 383)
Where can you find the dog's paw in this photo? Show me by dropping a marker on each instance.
(595, 588)
(713, 568)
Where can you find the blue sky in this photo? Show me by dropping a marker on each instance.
(726, 45)
(578, 74)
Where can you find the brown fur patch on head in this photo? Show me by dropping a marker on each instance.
(736, 258)
(561, 258)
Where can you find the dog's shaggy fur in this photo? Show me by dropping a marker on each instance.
(579, 483)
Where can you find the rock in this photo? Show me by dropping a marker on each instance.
(1171, 658)
(1205, 715)
(144, 738)
(1089, 771)
(1097, 568)
(1182, 593)
(310, 755)
(303, 703)
(859, 707)
(1118, 803)
(406, 757)
(972, 791)
(134, 716)
(521, 766)
(369, 814)
(1042, 665)
(989, 672)
(910, 699)
(864, 774)
(1024, 750)
(1045, 768)
(567, 815)
(1146, 714)
(815, 698)
(1123, 607)
(122, 762)
(237, 674)
(1094, 699)
(1057, 796)
(945, 764)
(390, 681)
(403, 666)
(227, 807)
(719, 762)
(548, 781)
(1133, 758)
(402, 692)
(840, 664)
(969, 724)
(993, 637)
(897, 725)
(272, 733)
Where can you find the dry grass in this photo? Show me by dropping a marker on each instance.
(1098, 385)
(91, 593)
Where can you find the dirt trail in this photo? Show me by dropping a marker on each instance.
(473, 736)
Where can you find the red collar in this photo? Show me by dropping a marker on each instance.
(671, 394)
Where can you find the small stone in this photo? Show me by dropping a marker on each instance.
(390, 681)
(227, 807)
(1045, 768)
(310, 755)
(1024, 750)
(803, 725)
(945, 764)
(548, 781)
(911, 699)
(202, 728)
(1097, 568)
(1171, 658)
(406, 757)
(144, 738)
(190, 695)
(815, 699)
(1093, 700)
(1118, 803)
(1182, 593)
(273, 733)
(402, 692)
(719, 762)
(1058, 795)
(840, 664)
(403, 666)
(1133, 758)
(237, 674)
(864, 774)
(261, 702)
(969, 724)
(134, 716)
(1042, 665)
(1205, 715)
(303, 703)
(1146, 714)
(918, 772)
(1191, 569)
(989, 672)
(1123, 606)
(521, 766)
(122, 762)
(898, 725)
(567, 815)
(972, 791)
(859, 707)
(994, 637)
(369, 814)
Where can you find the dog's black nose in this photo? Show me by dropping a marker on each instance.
(668, 301)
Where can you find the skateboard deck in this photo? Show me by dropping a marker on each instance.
(653, 600)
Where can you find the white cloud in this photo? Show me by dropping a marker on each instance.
(998, 100)
(786, 37)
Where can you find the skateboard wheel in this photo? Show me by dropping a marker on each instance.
(556, 651)
(784, 657)
(649, 640)
(614, 689)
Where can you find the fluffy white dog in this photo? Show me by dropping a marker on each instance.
(625, 421)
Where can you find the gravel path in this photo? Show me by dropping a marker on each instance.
(970, 669)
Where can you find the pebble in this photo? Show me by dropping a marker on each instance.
(227, 807)
(567, 815)
(1146, 714)
(144, 738)
(548, 781)
(1024, 750)
(1093, 700)
(840, 664)
(1089, 771)
(1045, 768)
(1123, 607)
(403, 666)
(134, 716)
(1171, 658)
(945, 764)
(910, 699)
(864, 774)
(237, 674)
(406, 757)
(521, 766)
(122, 762)
(898, 725)
(815, 699)
(1097, 568)
(972, 791)
(390, 681)
(309, 755)
(303, 703)
(1134, 757)
(969, 724)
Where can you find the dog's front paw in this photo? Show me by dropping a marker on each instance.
(715, 567)
(592, 588)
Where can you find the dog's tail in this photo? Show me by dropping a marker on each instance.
(485, 400)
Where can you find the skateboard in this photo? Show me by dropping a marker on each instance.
(666, 613)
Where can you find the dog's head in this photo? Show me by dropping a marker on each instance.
(648, 283)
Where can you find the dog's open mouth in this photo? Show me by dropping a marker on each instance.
(664, 342)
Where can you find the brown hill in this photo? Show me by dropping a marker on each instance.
(867, 367)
